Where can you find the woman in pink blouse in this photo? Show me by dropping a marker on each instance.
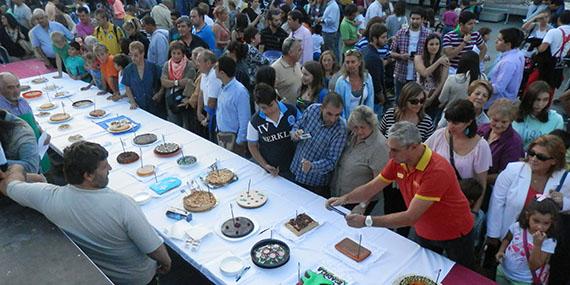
(471, 153)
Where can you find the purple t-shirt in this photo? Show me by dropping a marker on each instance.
(84, 30)
(508, 148)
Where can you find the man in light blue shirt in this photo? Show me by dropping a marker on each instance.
(158, 47)
(507, 74)
(40, 37)
(233, 113)
(330, 22)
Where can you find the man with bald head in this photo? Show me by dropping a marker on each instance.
(11, 102)
(40, 37)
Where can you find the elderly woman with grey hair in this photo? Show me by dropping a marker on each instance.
(363, 157)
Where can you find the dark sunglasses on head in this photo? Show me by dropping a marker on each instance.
(417, 101)
(539, 156)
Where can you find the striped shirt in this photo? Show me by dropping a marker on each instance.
(425, 126)
(454, 39)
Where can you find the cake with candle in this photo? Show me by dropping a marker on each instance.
(97, 113)
(146, 170)
(301, 224)
(145, 139)
(219, 177)
(199, 201)
(59, 117)
(251, 199)
(353, 250)
(47, 106)
(167, 149)
(127, 157)
(119, 126)
(237, 227)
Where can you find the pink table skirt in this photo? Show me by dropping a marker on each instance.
(26, 68)
(461, 275)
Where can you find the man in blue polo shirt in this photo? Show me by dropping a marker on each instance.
(268, 138)
(40, 37)
(202, 29)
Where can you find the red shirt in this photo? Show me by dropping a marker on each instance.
(433, 179)
(530, 195)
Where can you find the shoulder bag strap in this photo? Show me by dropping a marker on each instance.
(451, 157)
(535, 279)
(562, 179)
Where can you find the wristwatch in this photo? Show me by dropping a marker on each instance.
(176, 83)
(368, 221)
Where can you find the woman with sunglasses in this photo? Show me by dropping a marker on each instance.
(432, 68)
(535, 118)
(459, 143)
(410, 108)
(520, 183)
(354, 84)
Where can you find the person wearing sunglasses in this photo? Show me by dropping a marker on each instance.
(535, 117)
(355, 83)
(519, 184)
(459, 143)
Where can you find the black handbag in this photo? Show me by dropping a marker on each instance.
(174, 99)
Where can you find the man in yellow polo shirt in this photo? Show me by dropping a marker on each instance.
(437, 208)
(106, 33)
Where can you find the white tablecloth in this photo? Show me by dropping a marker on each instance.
(397, 256)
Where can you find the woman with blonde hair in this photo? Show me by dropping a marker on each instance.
(133, 33)
(330, 68)
(221, 32)
(354, 84)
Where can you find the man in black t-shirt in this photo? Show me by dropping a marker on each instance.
(273, 35)
(268, 137)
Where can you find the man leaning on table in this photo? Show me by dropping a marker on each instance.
(436, 206)
(107, 225)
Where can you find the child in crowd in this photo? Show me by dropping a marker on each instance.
(525, 251)
(318, 41)
(397, 20)
(485, 33)
(109, 73)
(360, 20)
(75, 63)
(60, 47)
(473, 190)
(121, 61)
(449, 17)
(92, 67)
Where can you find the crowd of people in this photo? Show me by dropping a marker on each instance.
(345, 99)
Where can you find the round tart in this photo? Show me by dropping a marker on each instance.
(251, 200)
(60, 94)
(127, 157)
(63, 127)
(39, 80)
(97, 113)
(43, 114)
(82, 103)
(199, 201)
(220, 177)
(74, 138)
(47, 106)
(414, 280)
(237, 228)
(270, 253)
(119, 126)
(145, 139)
(146, 170)
(24, 88)
(166, 148)
(186, 161)
(32, 94)
(60, 117)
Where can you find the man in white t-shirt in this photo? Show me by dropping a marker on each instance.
(107, 225)
(556, 37)
(210, 87)
(376, 9)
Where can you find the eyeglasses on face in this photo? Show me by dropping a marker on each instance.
(417, 101)
(539, 156)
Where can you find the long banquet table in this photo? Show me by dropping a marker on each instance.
(392, 256)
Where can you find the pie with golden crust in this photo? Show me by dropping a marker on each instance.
(97, 113)
(127, 157)
(199, 201)
(47, 106)
(119, 126)
(220, 177)
(146, 170)
(59, 117)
